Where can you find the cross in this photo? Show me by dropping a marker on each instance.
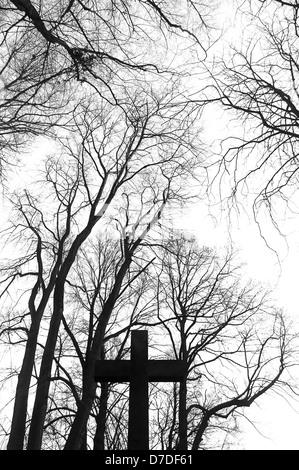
(139, 371)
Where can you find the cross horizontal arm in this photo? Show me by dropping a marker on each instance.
(158, 371)
(166, 371)
(112, 371)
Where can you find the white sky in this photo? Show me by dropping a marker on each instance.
(277, 421)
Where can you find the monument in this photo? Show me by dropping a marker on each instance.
(139, 371)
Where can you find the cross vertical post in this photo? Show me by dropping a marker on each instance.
(138, 436)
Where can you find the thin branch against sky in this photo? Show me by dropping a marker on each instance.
(116, 90)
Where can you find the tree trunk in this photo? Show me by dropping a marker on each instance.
(79, 426)
(42, 392)
(18, 427)
(80, 422)
(183, 425)
(202, 427)
(99, 438)
(41, 399)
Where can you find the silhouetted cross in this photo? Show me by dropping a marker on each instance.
(139, 371)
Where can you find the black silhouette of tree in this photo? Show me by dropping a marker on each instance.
(121, 169)
(258, 84)
(53, 52)
(235, 342)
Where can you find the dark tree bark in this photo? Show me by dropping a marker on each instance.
(99, 437)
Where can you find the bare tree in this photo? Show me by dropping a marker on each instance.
(92, 76)
(236, 344)
(130, 163)
(258, 82)
(53, 52)
(73, 389)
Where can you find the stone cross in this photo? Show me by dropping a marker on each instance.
(139, 371)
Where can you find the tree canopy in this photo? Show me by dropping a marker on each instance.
(112, 96)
